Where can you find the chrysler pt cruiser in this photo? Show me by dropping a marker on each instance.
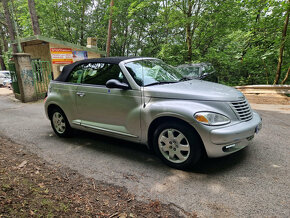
(147, 101)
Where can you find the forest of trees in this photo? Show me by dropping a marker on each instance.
(247, 41)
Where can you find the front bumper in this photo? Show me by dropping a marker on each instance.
(227, 140)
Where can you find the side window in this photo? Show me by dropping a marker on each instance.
(136, 76)
(100, 73)
(96, 74)
(76, 75)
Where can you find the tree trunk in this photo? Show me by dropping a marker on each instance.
(188, 32)
(34, 18)
(280, 60)
(2, 64)
(286, 76)
(82, 24)
(109, 29)
(189, 43)
(125, 40)
(266, 71)
(9, 24)
(138, 46)
(4, 40)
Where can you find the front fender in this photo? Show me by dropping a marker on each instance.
(178, 108)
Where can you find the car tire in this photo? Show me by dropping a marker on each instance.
(178, 145)
(59, 123)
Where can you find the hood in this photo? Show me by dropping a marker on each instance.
(194, 90)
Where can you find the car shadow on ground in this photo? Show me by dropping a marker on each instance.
(219, 165)
(140, 153)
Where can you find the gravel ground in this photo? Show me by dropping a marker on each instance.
(251, 183)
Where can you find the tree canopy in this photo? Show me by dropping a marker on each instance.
(241, 38)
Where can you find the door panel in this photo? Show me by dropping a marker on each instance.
(113, 110)
(65, 95)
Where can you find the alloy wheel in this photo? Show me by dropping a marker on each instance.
(58, 122)
(173, 145)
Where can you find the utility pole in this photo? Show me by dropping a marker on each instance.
(109, 29)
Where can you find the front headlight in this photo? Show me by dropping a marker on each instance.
(212, 119)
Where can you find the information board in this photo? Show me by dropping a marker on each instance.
(61, 55)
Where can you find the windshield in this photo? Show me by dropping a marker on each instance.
(189, 71)
(195, 70)
(5, 74)
(208, 69)
(152, 71)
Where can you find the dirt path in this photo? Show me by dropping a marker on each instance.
(5, 91)
(269, 99)
(29, 186)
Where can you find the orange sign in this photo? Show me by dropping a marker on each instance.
(61, 55)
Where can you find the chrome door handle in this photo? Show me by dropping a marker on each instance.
(81, 94)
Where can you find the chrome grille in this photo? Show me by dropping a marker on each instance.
(242, 109)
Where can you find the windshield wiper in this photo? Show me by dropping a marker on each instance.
(161, 82)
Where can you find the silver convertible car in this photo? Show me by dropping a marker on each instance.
(147, 101)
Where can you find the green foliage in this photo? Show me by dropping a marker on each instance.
(241, 38)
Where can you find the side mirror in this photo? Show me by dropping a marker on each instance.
(113, 83)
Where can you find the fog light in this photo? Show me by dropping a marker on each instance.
(228, 147)
(250, 138)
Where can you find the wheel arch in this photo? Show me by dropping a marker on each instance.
(159, 120)
(50, 109)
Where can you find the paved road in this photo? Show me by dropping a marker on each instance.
(253, 182)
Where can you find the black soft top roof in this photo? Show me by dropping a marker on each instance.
(68, 68)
